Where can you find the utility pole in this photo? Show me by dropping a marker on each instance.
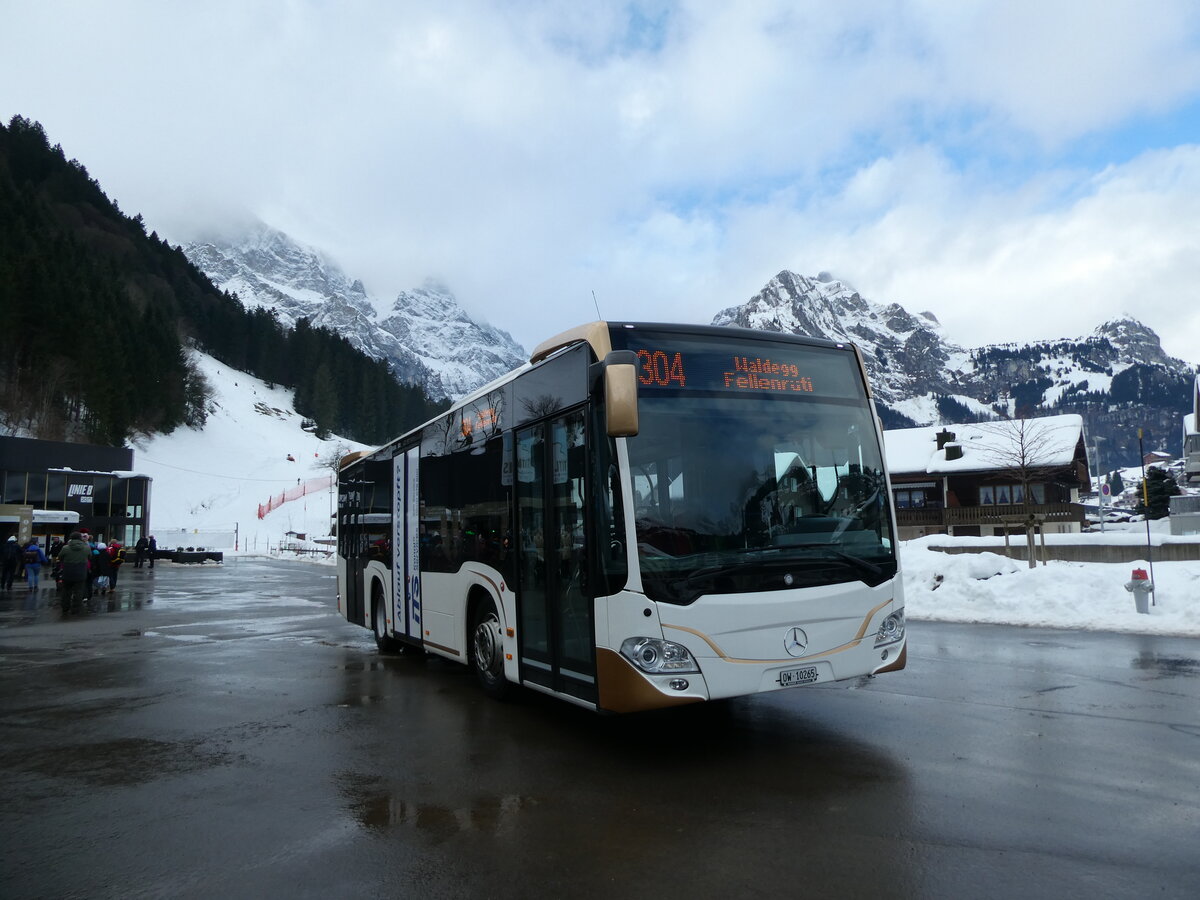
(1146, 507)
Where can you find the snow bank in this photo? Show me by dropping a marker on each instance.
(990, 588)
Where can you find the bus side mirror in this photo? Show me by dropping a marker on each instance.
(620, 393)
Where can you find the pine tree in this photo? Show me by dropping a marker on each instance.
(1116, 483)
(1158, 490)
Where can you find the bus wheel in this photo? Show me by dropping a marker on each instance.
(487, 653)
(383, 641)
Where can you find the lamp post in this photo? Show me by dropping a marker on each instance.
(1146, 507)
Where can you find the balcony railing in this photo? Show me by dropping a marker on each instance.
(1008, 514)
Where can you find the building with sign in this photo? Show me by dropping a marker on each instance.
(50, 489)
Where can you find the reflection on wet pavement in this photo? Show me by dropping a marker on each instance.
(1167, 666)
(375, 806)
(236, 737)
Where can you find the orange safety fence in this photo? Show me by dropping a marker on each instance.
(302, 489)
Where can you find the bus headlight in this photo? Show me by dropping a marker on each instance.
(658, 657)
(891, 629)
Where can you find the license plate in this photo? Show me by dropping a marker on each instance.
(793, 677)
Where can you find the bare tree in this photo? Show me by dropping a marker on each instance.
(1024, 451)
(331, 459)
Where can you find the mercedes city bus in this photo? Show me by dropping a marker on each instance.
(642, 516)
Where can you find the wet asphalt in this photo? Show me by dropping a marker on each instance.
(218, 731)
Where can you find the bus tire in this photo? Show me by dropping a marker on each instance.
(487, 651)
(383, 640)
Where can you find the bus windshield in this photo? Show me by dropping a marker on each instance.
(741, 492)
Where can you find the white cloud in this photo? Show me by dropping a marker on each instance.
(998, 267)
(1059, 70)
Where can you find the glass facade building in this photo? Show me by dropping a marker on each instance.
(96, 482)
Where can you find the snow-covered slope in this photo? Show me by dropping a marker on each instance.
(213, 480)
(426, 336)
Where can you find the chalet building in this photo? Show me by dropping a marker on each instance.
(989, 478)
(1191, 438)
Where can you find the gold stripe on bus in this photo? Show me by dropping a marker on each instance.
(849, 645)
(450, 650)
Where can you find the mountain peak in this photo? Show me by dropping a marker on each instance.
(919, 378)
(1134, 338)
(425, 335)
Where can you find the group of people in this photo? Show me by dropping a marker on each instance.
(82, 565)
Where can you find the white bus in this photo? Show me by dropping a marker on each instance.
(643, 516)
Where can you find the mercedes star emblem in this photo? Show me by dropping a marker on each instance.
(795, 642)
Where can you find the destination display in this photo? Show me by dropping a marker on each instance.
(694, 363)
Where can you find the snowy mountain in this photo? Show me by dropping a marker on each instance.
(426, 336)
(906, 357)
(1119, 378)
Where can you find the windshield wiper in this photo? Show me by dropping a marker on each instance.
(856, 561)
(813, 552)
(711, 572)
(775, 557)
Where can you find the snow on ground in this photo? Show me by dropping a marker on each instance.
(988, 587)
(210, 483)
(207, 482)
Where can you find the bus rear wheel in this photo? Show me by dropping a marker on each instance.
(385, 642)
(487, 651)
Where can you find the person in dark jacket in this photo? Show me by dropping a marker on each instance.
(10, 561)
(75, 558)
(152, 549)
(141, 547)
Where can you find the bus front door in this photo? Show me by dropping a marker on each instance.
(556, 631)
(349, 544)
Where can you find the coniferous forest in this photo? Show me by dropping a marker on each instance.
(97, 315)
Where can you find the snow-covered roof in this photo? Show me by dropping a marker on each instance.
(986, 446)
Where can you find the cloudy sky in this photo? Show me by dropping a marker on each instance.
(1023, 170)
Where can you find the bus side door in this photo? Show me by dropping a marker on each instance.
(556, 629)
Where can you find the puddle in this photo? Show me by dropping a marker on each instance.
(1166, 666)
(362, 700)
(376, 807)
